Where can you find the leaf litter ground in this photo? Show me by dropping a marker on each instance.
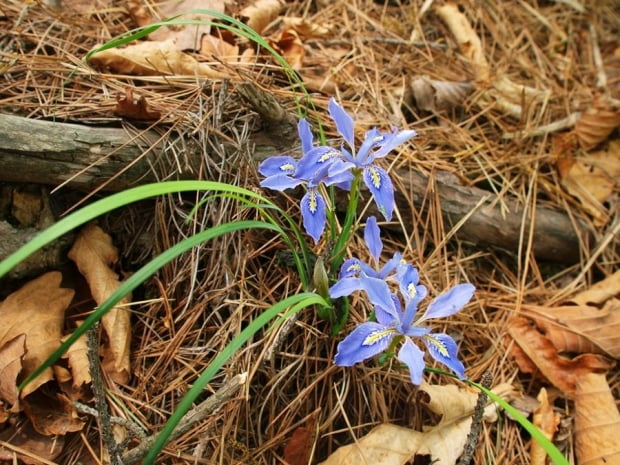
(519, 99)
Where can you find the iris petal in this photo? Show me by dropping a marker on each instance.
(280, 182)
(313, 213)
(344, 122)
(411, 355)
(450, 301)
(444, 349)
(380, 185)
(305, 135)
(393, 140)
(356, 346)
(279, 164)
(372, 238)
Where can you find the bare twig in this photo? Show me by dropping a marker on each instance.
(476, 423)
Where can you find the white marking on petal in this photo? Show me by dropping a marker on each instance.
(375, 177)
(439, 346)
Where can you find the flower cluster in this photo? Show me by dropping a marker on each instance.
(323, 165)
(393, 319)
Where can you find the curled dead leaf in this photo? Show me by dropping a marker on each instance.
(52, 415)
(305, 28)
(36, 310)
(592, 179)
(562, 372)
(11, 354)
(152, 59)
(290, 46)
(597, 422)
(433, 95)
(581, 329)
(597, 123)
(131, 108)
(94, 253)
(600, 291)
(547, 422)
(260, 13)
(32, 448)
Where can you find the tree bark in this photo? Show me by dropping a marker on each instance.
(85, 158)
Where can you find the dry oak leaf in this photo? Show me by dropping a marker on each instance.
(597, 422)
(260, 13)
(36, 310)
(131, 108)
(562, 372)
(592, 179)
(433, 95)
(184, 37)
(305, 28)
(52, 415)
(596, 123)
(32, 448)
(580, 328)
(11, 355)
(600, 291)
(153, 59)
(298, 449)
(290, 46)
(388, 444)
(547, 421)
(77, 356)
(93, 253)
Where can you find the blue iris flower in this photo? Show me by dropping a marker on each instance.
(285, 172)
(356, 275)
(371, 338)
(376, 145)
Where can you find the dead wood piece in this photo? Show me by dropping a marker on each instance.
(60, 151)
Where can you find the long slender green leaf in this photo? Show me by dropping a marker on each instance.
(295, 303)
(112, 202)
(143, 274)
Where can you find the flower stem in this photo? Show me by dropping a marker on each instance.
(340, 247)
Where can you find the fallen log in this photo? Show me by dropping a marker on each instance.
(86, 158)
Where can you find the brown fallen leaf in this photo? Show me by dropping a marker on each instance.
(394, 445)
(185, 37)
(93, 253)
(36, 310)
(562, 372)
(11, 354)
(597, 422)
(290, 46)
(131, 108)
(547, 422)
(260, 13)
(305, 28)
(29, 446)
(152, 59)
(298, 448)
(77, 355)
(600, 291)
(433, 95)
(51, 415)
(596, 123)
(592, 179)
(580, 328)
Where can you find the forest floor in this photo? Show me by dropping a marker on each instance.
(516, 105)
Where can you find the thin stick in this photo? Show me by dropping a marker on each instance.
(476, 422)
(103, 417)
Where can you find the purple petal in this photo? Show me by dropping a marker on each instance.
(350, 268)
(385, 317)
(316, 162)
(372, 237)
(393, 140)
(280, 182)
(450, 301)
(344, 123)
(411, 355)
(377, 290)
(365, 341)
(391, 265)
(313, 213)
(305, 134)
(364, 155)
(280, 164)
(382, 189)
(444, 349)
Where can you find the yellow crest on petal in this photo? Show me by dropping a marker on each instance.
(373, 338)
